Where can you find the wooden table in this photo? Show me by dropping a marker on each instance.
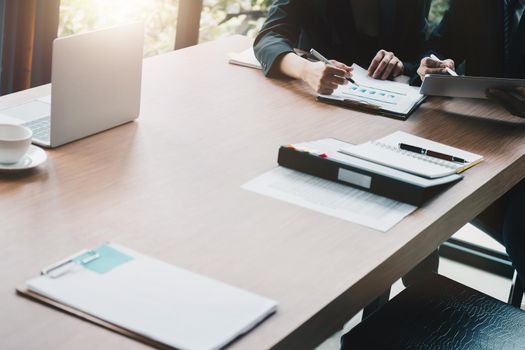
(168, 186)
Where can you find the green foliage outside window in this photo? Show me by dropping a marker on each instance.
(436, 12)
(219, 18)
(226, 17)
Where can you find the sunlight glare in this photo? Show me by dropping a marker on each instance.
(159, 16)
(111, 12)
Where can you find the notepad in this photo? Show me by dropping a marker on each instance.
(389, 96)
(244, 58)
(158, 301)
(386, 152)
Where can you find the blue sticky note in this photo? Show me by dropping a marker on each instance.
(108, 259)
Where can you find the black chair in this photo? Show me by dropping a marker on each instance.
(485, 259)
(438, 313)
(475, 256)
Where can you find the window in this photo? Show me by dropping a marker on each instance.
(19, 20)
(159, 16)
(218, 18)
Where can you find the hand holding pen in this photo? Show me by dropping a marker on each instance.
(433, 65)
(449, 65)
(326, 75)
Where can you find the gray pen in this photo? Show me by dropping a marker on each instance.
(449, 71)
(323, 59)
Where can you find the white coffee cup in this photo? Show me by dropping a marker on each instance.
(14, 142)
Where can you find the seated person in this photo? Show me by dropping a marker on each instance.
(489, 39)
(383, 36)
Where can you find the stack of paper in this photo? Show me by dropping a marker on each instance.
(331, 198)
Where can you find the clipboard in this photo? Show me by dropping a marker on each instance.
(173, 308)
(369, 108)
(394, 99)
(24, 292)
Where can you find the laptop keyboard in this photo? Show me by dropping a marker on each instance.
(41, 128)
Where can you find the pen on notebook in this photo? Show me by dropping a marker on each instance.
(321, 58)
(431, 153)
(449, 71)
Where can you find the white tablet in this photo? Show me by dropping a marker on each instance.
(464, 86)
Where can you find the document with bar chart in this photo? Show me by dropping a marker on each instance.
(388, 97)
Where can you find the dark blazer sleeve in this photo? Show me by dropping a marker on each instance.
(279, 34)
(418, 38)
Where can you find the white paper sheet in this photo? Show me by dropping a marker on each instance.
(330, 198)
(160, 301)
(389, 95)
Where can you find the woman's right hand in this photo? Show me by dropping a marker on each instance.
(325, 78)
(432, 66)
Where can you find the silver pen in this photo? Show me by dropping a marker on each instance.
(323, 59)
(449, 71)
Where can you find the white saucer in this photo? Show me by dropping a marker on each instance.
(33, 158)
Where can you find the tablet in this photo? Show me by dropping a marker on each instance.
(464, 86)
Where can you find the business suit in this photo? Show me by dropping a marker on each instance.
(329, 27)
(475, 35)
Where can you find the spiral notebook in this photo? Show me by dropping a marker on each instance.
(386, 151)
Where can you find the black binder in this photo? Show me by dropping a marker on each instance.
(364, 175)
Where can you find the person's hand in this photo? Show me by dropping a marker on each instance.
(512, 100)
(344, 67)
(325, 78)
(384, 65)
(431, 66)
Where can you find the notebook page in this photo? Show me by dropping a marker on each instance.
(403, 137)
(389, 95)
(160, 301)
(332, 146)
(386, 151)
(244, 58)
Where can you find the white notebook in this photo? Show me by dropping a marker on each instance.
(159, 301)
(245, 58)
(386, 151)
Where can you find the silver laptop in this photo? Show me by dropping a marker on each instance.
(95, 85)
